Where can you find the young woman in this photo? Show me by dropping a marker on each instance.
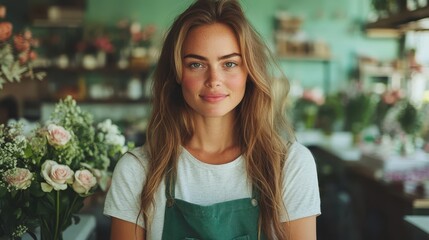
(214, 165)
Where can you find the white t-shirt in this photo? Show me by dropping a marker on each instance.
(205, 184)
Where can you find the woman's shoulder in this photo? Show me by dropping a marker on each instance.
(134, 158)
(299, 154)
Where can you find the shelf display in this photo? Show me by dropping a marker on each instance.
(292, 41)
(404, 12)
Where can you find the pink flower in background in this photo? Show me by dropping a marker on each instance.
(57, 135)
(84, 181)
(392, 96)
(56, 175)
(5, 30)
(104, 44)
(140, 35)
(313, 96)
(19, 178)
(21, 44)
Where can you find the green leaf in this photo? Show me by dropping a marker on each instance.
(44, 209)
(18, 213)
(28, 152)
(36, 190)
(3, 191)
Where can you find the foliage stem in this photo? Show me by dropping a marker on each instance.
(57, 220)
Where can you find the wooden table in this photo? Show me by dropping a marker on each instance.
(419, 227)
(356, 203)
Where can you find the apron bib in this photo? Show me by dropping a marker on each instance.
(231, 220)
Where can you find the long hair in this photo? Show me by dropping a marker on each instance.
(258, 122)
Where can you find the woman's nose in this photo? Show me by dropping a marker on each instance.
(214, 78)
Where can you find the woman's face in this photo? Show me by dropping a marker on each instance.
(214, 76)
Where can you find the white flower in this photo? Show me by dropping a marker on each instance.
(84, 181)
(56, 175)
(57, 135)
(20, 178)
(115, 139)
(20, 139)
(124, 149)
(108, 127)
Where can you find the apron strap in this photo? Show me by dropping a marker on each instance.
(170, 184)
(255, 192)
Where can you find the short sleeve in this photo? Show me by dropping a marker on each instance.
(123, 198)
(300, 185)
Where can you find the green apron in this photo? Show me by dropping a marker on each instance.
(231, 220)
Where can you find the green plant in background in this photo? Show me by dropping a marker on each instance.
(380, 6)
(386, 102)
(305, 113)
(410, 124)
(359, 111)
(330, 113)
(409, 119)
(306, 107)
(425, 126)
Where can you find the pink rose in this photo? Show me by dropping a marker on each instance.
(20, 178)
(5, 30)
(56, 175)
(57, 135)
(84, 181)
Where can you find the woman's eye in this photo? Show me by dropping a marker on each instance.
(195, 65)
(230, 64)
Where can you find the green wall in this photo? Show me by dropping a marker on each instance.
(339, 23)
(163, 12)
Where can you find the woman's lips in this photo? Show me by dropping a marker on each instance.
(213, 97)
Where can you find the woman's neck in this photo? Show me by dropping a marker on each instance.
(214, 140)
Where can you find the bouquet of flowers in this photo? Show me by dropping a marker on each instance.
(403, 122)
(387, 100)
(46, 173)
(16, 56)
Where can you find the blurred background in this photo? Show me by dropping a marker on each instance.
(359, 91)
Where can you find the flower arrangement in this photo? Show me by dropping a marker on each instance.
(387, 100)
(409, 118)
(139, 43)
(16, 53)
(45, 174)
(403, 123)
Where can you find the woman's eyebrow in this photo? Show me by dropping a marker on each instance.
(229, 56)
(205, 59)
(195, 56)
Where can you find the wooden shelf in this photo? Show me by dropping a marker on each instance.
(395, 20)
(103, 101)
(303, 58)
(107, 69)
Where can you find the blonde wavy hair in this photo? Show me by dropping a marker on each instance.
(258, 123)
